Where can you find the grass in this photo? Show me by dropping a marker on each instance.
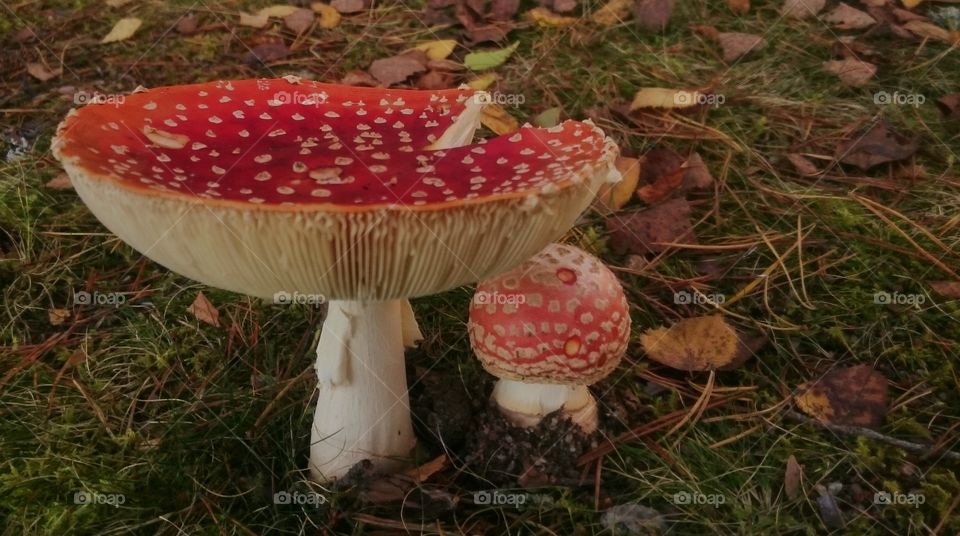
(197, 426)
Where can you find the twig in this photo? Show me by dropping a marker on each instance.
(919, 448)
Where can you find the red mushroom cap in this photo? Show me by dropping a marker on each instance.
(560, 317)
(315, 146)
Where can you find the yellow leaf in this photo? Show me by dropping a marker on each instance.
(123, 29)
(277, 10)
(437, 50)
(614, 196)
(58, 316)
(329, 17)
(613, 12)
(545, 17)
(664, 98)
(483, 81)
(699, 343)
(854, 396)
(498, 120)
(910, 4)
(253, 21)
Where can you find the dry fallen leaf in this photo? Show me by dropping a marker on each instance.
(278, 11)
(801, 9)
(348, 6)
(612, 197)
(613, 12)
(498, 120)
(929, 30)
(699, 343)
(648, 231)
(60, 182)
(253, 21)
(117, 3)
(652, 15)
(879, 145)
(265, 53)
(41, 72)
(425, 471)
(396, 69)
(437, 50)
(910, 4)
(204, 310)
(845, 17)
(299, 21)
(359, 78)
(483, 81)
(735, 45)
(58, 316)
(697, 175)
(947, 289)
(791, 478)
(545, 17)
(654, 189)
(187, 25)
(123, 29)
(852, 72)
(739, 6)
(854, 396)
(329, 17)
(803, 164)
(949, 106)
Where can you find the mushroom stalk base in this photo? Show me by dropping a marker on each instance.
(363, 411)
(526, 404)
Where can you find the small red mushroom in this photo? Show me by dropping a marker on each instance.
(548, 328)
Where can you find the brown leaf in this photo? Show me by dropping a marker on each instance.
(947, 289)
(852, 72)
(662, 187)
(187, 25)
(854, 396)
(735, 45)
(25, 35)
(803, 164)
(503, 9)
(396, 69)
(266, 53)
(613, 12)
(652, 15)
(41, 72)
(949, 106)
(697, 176)
(204, 310)
(299, 21)
(791, 478)
(58, 316)
(879, 145)
(498, 120)
(648, 231)
(928, 30)
(693, 344)
(425, 471)
(801, 9)
(348, 6)
(60, 182)
(359, 78)
(739, 6)
(845, 17)
(435, 79)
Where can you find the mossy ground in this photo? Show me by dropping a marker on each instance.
(198, 426)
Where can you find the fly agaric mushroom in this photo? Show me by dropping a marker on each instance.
(361, 195)
(549, 328)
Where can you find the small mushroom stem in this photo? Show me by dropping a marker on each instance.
(363, 410)
(526, 404)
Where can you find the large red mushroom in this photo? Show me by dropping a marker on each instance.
(363, 196)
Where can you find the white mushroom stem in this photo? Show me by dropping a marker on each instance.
(411, 330)
(363, 411)
(526, 404)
